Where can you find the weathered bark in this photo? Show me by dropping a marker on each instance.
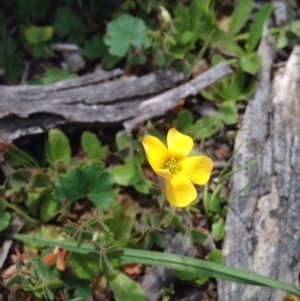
(263, 228)
(33, 109)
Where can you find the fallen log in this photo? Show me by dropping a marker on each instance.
(262, 227)
(33, 109)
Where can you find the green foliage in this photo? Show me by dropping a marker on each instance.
(85, 267)
(257, 26)
(67, 23)
(92, 146)
(240, 16)
(251, 63)
(216, 256)
(122, 222)
(86, 181)
(5, 218)
(58, 147)
(124, 32)
(51, 76)
(124, 288)
(218, 229)
(201, 129)
(37, 34)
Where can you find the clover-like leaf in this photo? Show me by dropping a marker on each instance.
(124, 32)
(37, 34)
(87, 181)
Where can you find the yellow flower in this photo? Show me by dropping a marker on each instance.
(174, 165)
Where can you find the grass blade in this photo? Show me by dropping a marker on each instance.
(173, 261)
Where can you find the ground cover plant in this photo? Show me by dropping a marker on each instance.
(93, 214)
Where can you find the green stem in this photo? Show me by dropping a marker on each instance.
(19, 211)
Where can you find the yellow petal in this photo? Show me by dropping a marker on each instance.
(180, 191)
(164, 173)
(179, 145)
(156, 151)
(197, 169)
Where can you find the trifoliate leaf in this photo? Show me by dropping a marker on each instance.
(124, 32)
(87, 181)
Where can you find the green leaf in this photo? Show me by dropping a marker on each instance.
(125, 175)
(182, 18)
(67, 23)
(143, 186)
(83, 291)
(123, 220)
(37, 34)
(85, 267)
(240, 16)
(92, 146)
(123, 140)
(124, 288)
(59, 146)
(198, 235)
(93, 49)
(248, 91)
(218, 229)
(228, 112)
(49, 208)
(183, 121)
(251, 63)
(216, 256)
(236, 84)
(124, 32)
(86, 181)
(4, 218)
(20, 179)
(213, 205)
(225, 42)
(205, 128)
(53, 75)
(257, 26)
(282, 40)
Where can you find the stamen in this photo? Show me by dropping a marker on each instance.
(172, 165)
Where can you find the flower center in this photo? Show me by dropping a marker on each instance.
(172, 165)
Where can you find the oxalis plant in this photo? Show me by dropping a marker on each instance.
(82, 229)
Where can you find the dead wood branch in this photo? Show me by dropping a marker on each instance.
(85, 100)
(262, 228)
(160, 104)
